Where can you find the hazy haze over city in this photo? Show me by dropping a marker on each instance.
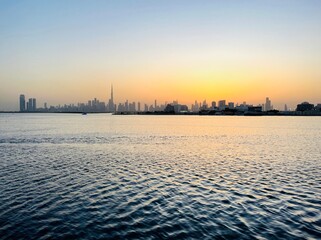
(71, 51)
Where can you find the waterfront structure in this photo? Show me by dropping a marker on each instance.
(195, 107)
(243, 107)
(213, 105)
(305, 106)
(22, 101)
(29, 105)
(138, 106)
(202, 108)
(126, 106)
(111, 105)
(268, 104)
(132, 107)
(175, 108)
(221, 104)
(34, 104)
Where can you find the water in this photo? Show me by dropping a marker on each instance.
(154, 177)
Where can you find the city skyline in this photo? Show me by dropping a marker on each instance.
(95, 105)
(110, 105)
(127, 106)
(242, 51)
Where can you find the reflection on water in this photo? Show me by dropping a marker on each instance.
(151, 177)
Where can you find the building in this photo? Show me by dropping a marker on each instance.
(255, 108)
(169, 108)
(29, 105)
(175, 108)
(126, 106)
(34, 104)
(195, 107)
(305, 106)
(22, 100)
(268, 104)
(213, 105)
(138, 106)
(231, 105)
(111, 105)
(132, 107)
(221, 104)
(180, 108)
(242, 108)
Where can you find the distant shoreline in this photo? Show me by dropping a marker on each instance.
(291, 114)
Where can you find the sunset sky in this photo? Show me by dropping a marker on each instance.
(71, 51)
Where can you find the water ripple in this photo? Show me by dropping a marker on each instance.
(160, 185)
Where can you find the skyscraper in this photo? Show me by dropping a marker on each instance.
(34, 104)
(267, 104)
(213, 105)
(29, 105)
(222, 104)
(138, 106)
(111, 104)
(22, 103)
(112, 93)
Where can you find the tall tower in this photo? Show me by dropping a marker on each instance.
(268, 106)
(112, 94)
(111, 104)
(22, 103)
(34, 104)
(29, 105)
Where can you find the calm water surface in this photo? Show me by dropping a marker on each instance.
(158, 177)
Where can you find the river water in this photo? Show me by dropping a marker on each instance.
(159, 177)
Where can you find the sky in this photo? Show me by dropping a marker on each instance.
(72, 51)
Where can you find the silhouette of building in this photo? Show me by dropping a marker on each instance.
(242, 107)
(268, 104)
(221, 104)
(231, 105)
(22, 100)
(285, 107)
(34, 104)
(213, 105)
(111, 105)
(169, 109)
(204, 105)
(29, 105)
(175, 108)
(126, 106)
(195, 107)
(132, 107)
(305, 106)
(255, 108)
(138, 107)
